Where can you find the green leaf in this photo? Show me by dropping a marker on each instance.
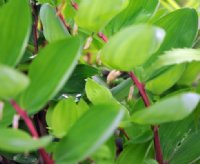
(52, 2)
(12, 82)
(93, 15)
(15, 20)
(7, 115)
(181, 29)
(49, 72)
(177, 132)
(133, 153)
(176, 56)
(64, 116)
(188, 150)
(137, 11)
(94, 131)
(132, 47)
(76, 83)
(165, 80)
(53, 28)
(170, 109)
(97, 93)
(190, 74)
(13, 140)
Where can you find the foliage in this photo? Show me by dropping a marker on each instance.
(99, 81)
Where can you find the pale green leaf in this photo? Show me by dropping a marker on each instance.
(13, 140)
(132, 47)
(15, 20)
(53, 28)
(86, 137)
(12, 82)
(170, 109)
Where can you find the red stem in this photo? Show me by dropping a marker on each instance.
(140, 86)
(103, 37)
(74, 5)
(23, 114)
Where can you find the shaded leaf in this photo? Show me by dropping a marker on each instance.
(136, 12)
(76, 83)
(133, 153)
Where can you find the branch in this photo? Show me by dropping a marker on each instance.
(140, 86)
(23, 114)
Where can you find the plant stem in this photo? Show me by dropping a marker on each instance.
(147, 103)
(103, 37)
(74, 5)
(23, 114)
(35, 25)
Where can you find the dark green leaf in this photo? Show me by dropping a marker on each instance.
(137, 11)
(76, 83)
(133, 154)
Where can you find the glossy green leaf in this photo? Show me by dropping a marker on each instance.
(15, 20)
(13, 140)
(176, 56)
(49, 72)
(170, 109)
(93, 134)
(64, 116)
(165, 80)
(132, 153)
(93, 15)
(97, 93)
(12, 82)
(53, 28)
(132, 47)
(136, 12)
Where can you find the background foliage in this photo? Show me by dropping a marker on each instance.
(99, 81)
